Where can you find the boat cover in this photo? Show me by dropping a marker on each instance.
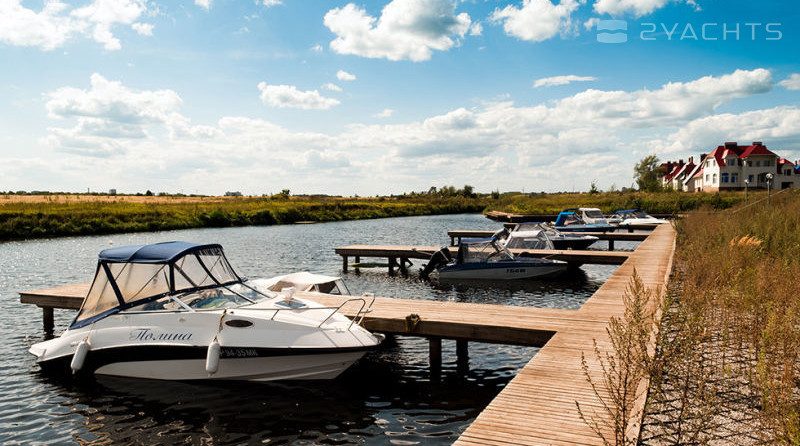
(132, 275)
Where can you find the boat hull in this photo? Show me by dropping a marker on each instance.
(235, 363)
(501, 271)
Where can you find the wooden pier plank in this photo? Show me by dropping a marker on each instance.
(538, 404)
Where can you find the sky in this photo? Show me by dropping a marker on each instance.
(385, 97)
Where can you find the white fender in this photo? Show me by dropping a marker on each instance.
(79, 356)
(212, 357)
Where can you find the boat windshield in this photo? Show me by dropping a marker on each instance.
(483, 252)
(593, 213)
(529, 240)
(547, 229)
(131, 276)
(210, 299)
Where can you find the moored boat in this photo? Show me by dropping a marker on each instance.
(179, 311)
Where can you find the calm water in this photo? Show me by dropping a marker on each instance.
(386, 398)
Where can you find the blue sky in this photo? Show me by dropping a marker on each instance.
(371, 98)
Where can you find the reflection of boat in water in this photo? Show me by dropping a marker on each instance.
(487, 259)
(178, 311)
(536, 236)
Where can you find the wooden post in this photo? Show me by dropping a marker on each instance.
(358, 262)
(344, 263)
(462, 354)
(611, 245)
(47, 319)
(452, 241)
(435, 355)
(392, 264)
(403, 269)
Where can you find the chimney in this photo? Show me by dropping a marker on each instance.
(691, 160)
(757, 143)
(731, 145)
(680, 162)
(703, 157)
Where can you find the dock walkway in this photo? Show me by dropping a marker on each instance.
(538, 406)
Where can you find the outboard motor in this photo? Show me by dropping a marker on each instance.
(438, 259)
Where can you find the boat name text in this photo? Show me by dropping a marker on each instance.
(147, 334)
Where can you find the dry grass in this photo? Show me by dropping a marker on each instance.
(728, 364)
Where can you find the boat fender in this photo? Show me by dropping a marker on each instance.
(79, 357)
(212, 357)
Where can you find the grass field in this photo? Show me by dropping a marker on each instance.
(50, 215)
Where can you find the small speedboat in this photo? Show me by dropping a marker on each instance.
(637, 217)
(542, 236)
(487, 259)
(179, 311)
(570, 220)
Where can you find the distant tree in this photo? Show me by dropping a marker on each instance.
(495, 195)
(149, 193)
(468, 191)
(594, 190)
(432, 190)
(647, 174)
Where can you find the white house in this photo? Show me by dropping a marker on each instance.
(731, 167)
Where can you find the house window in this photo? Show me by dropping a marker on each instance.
(766, 163)
(734, 177)
(758, 163)
(750, 179)
(787, 172)
(731, 162)
(714, 179)
(706, 178)
(749, 164)
(724, 177)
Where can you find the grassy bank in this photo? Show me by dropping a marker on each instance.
(62, 215)
(727, 369)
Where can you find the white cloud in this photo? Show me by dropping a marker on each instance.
(476, 29)
(111, 101)
(561, 80)
(54, 25)
(102, 14)
(47, 29)
(386, 113)
(778, 127)
(406, 29)
(332, 87)
(288, 96)
(144, 29)
(271, 3)
(591, 23)
(205, 4)
(636, 7)
(792, 82)
(499, 141)
(537, 20)
(345, 76)
(317, 48)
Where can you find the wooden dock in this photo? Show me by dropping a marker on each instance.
(611, 237)
(399, 255)
(538, 406)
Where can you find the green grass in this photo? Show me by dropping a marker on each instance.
(59, 218)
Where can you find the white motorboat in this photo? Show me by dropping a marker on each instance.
(303, 281)
(487, 259)
(178, 311)
(637, 217)
(532, 235)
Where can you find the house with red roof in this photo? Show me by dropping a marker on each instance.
(732, 167)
